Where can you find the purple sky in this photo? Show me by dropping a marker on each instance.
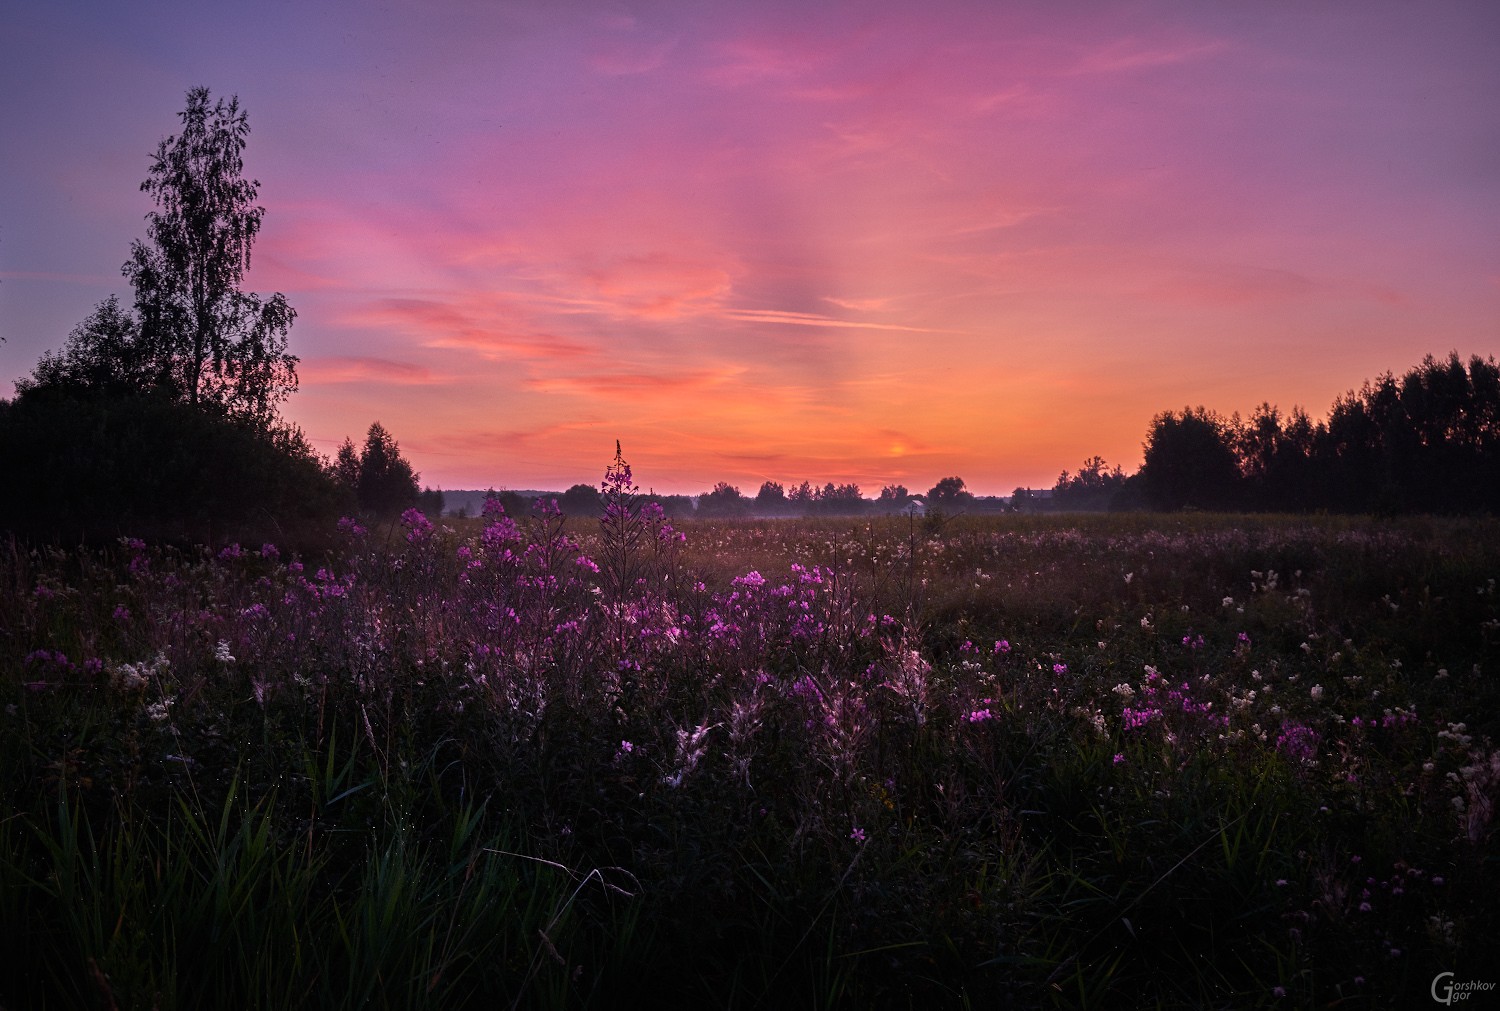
(875, 243)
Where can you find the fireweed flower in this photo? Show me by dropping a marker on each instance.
(418, 526)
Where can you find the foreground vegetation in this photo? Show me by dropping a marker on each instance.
(1122, 761)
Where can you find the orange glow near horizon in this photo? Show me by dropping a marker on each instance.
(866, 244)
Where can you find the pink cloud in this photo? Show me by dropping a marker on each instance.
(329, 370)
(1134, 53)
(782, 318)
(1236, 286)
(658, 285)
(469, 323)
(633, 386)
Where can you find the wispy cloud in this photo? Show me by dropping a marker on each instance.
(336, 369)
(780, 317)
(1135, 53)
(632, 386)
(465, 324)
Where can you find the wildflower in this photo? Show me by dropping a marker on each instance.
(418, 526)
(222, 654)
(1002, 646)
(1119, 758)
(1059, 669)
(858, 835)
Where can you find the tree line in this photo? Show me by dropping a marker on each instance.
(161, 418)
(1426, 442)
(773, 499)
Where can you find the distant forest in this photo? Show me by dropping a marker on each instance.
(1425, 442)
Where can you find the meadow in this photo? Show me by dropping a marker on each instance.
(1176, 761)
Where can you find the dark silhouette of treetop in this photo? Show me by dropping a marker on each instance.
(950, 491)
(386, 483)
(208, 340)
(101, 358)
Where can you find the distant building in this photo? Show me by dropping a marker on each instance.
(1032, 499)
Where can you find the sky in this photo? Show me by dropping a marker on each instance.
(870, 242)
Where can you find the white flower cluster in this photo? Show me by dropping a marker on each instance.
(690, 751)
(134, 677)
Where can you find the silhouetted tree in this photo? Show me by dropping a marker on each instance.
(724, 500)
(1093, 487)
(581, 500)
(387, 485)
(346, 467)
(771, 498)
(101, 358)
(161, 420)
(840, 500)
(1190, 461)
(197, 331)
(430, 501)
(949, 493)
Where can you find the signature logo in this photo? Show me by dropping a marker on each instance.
(1446, 991)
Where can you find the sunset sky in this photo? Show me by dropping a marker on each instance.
(874, 242)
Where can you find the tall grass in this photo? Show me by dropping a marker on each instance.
(537, 762)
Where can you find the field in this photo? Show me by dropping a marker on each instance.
(1111, 761)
